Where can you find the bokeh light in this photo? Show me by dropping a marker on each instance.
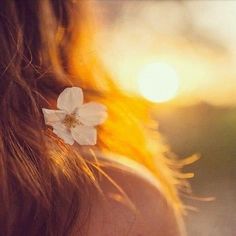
(158, 82)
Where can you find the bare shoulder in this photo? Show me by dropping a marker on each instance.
(131, 203)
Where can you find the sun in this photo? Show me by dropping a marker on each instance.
(158, 82)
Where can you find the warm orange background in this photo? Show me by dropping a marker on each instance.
(198, 39)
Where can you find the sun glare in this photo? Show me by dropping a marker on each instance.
(158, 82)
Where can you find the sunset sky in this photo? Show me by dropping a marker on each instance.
(182, 54)
(196, 39)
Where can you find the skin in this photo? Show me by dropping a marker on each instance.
(143, 211)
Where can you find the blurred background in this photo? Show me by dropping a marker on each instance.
(181, 55)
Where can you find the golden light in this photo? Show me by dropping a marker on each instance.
(158, 82)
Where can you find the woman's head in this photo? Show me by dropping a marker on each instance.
(34, 36)
(42, 43)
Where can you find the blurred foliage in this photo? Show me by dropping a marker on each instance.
(211, 132)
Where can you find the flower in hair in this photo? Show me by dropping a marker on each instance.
(75, 121)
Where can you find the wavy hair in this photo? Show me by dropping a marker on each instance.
(41, 46)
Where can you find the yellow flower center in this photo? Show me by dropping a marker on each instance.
(70, 121)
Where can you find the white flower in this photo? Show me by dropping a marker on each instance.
(75, 121)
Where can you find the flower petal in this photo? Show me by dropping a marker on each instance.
(70, 99)
(92, 114)
(62, 132)
(53, 116)
(84, 135)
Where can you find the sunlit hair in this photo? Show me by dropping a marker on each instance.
(45, 48)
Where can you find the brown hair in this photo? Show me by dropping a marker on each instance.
(41, 42)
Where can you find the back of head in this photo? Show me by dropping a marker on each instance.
(30, 69)
(39, 184)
